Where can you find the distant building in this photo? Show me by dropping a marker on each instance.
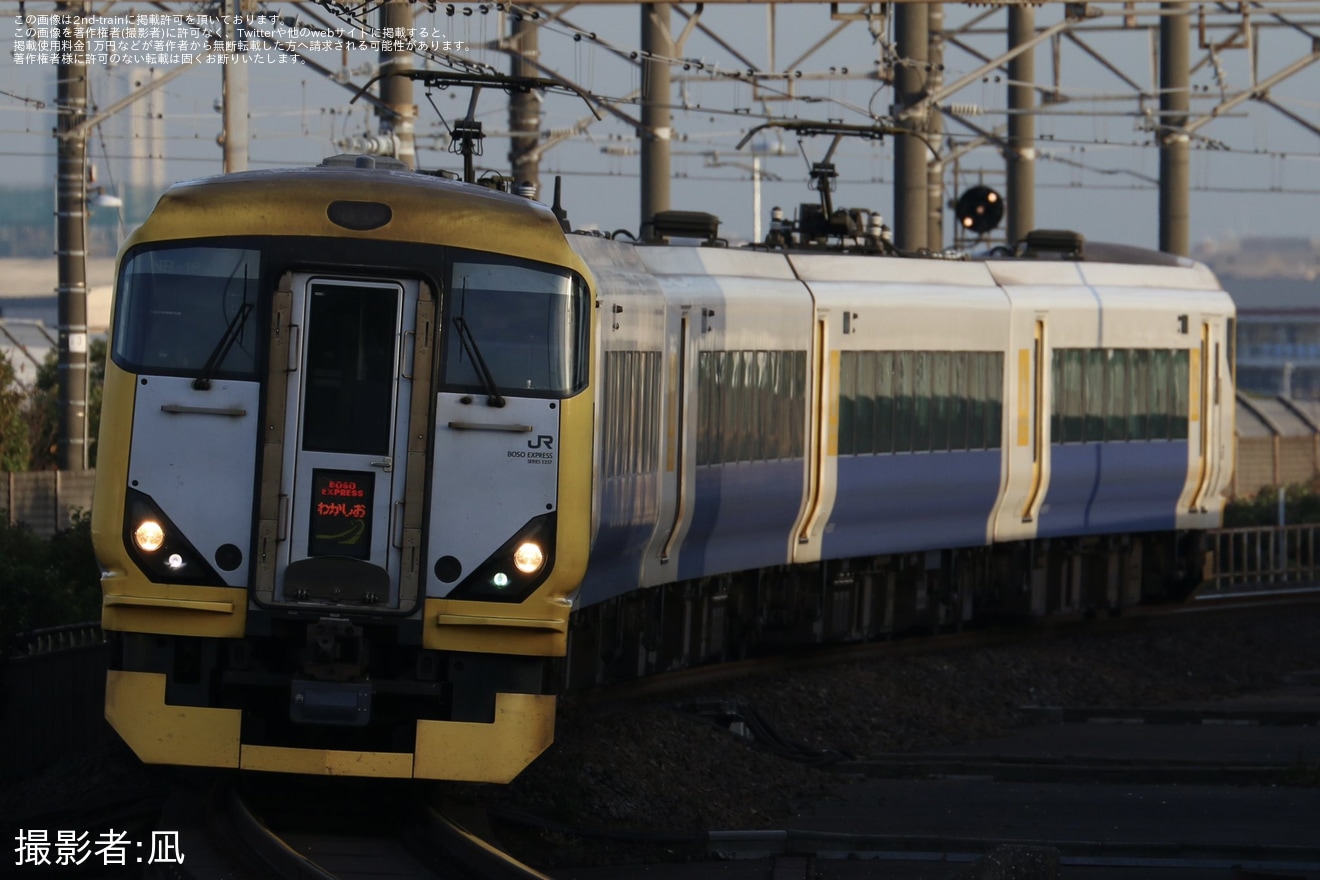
(1263, 258)
(142, 126)
(1276, 285)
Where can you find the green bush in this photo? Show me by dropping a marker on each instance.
(1301, 506)
(30, 416)
(47, 581)
(15, 449)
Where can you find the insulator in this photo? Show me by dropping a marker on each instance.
(370, 145)
(965, 109)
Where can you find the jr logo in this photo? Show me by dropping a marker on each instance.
(542, 440)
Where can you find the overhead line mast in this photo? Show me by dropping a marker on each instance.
(71, 243)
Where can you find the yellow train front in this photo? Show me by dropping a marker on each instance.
(342, 499)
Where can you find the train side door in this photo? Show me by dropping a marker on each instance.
(345, 452)
(660, 563)
(822, 443)
(1206, 397)
(1026, 420)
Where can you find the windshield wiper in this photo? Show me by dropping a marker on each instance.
(483, 372)
(226, 342)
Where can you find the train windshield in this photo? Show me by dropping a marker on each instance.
(176, 306)
(528, 325)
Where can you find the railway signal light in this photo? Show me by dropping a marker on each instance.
(979, 209)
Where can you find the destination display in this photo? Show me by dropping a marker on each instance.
(341, 513)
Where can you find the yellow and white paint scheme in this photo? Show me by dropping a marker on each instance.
(230, 465)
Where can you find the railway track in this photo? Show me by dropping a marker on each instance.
(805, 853)
(1124, 789)
(312, 829)
(1132, 619)
(255, 831)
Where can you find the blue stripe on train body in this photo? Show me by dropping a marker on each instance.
(912, 501)
(1100, 488)
(743, 515)
(629, 505)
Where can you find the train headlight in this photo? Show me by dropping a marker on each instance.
(514, 570)
(149, 536)
(160, 548)
(528, 558)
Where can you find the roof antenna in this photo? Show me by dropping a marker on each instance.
(558, 209)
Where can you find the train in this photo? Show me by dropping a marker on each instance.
(388, 460)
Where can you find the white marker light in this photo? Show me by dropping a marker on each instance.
(175, 561)
(500, 580)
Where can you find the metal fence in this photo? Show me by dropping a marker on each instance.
(52, 691)
(1264, 558)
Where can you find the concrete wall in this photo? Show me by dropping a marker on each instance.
(45, 500)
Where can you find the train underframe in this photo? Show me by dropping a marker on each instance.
(856, 600)
(324, 693)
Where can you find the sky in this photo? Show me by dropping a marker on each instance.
(1254, 172)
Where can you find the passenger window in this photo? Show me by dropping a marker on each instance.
(849, 402)
(1161, 402)
(1116, 410)
(978, 402)
(1073, 395)
(707, 408)
(995, 401)
(1095, 396)
(921, 421)
(958, 393)
(939, 401)
(903, 401)
(884, 401)
(1180, 395)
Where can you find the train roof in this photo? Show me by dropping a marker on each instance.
(344, 200)
(347, 196)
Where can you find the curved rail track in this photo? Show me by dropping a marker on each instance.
(262, 831)
(301, 829)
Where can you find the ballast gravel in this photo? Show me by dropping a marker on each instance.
(647, 769)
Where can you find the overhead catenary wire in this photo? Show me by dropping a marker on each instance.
(729, 70)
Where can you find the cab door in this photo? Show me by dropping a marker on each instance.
(343, 481)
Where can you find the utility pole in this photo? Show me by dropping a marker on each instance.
(656, 131)
(1020, 156)
(912, 30)
(71, 242)
(399, 116)
(935, 130)
(1175, 159)
(234, 88)
(525, 106)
